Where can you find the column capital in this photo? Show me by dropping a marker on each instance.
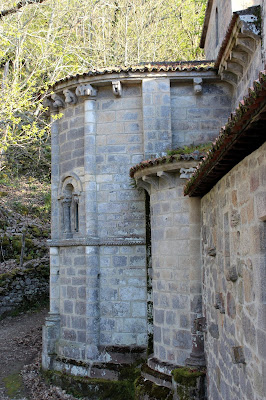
(86, 90)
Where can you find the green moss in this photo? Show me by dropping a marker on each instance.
(187, 376)
(147, 389)
(13, 384)
(95, 389)
(190, 149)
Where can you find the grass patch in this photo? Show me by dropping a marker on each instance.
(13, 384)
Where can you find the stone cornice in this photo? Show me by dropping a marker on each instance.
(96, 242)
(76, 89)
(240, 43)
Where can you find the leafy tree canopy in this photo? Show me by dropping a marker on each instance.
(42, 41)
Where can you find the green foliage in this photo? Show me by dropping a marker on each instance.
(45, 42)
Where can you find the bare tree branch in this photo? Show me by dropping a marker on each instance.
(19, 5)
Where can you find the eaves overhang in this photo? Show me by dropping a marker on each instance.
(244, 133)
(154, 69)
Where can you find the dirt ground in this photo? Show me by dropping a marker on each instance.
(20, 344)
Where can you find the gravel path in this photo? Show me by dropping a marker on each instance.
(20, 344)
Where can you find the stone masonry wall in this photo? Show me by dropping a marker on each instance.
(123, 295)
(224, 17)
(197, 118)
(25, 288)
(233, 246)
(119, 145)
(176, 271)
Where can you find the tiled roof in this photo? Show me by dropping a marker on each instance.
(203, 65)
(196, 155)
(244, 133)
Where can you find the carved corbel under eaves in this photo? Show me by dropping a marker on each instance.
(70, 97)
(48, 103)
(197, 82)
(58, 100)
(143, 185)
(186, 173)
(117, 88)
(152, 180)
(86, 90)
(168, 177)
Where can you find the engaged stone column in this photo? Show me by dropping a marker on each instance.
(197, 357)
(55, 178)
(89, 94)
(156, 117)
(91, 252)
(51, 330)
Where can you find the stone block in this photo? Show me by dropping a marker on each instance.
(180, 302)
(80, 308)
(134, 325)
(110, 294)
(71, 292)
(69, 334)
(182, 339)
(132, 293)
(260, 202)
(214, 330)
(184, 321)
(78, 322)
(107, 324)
(81, 336)
(68, 306)
(119, 261)
(159, 316)
(261, 343)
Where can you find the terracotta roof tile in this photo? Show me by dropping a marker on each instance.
(145, 67)
(196, 155)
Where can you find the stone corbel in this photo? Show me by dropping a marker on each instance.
(70, 97)
(197, 82)
(146, 186)
(48, 103)
(86, 90)
(167, 177)
(186, 173)
(117, 88)
(152, 180)
(58, 100)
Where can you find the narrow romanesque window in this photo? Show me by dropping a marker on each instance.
(216, 27)
(76, 215)
(70, 212)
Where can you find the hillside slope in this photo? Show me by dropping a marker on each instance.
(24, 229)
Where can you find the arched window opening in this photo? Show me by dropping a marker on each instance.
(76, 213)
(216, 27)
(67, 203)
(69, 195)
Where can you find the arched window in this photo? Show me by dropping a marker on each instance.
(69, 194)
(216, 27)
